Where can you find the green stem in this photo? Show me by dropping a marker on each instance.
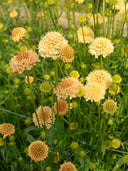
(113, 23)
(56, 72)
(33, 101)
(101, 62)
(41, 165)
(69, 118)
(104, 18)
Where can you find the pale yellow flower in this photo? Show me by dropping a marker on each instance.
(85, 34)
(13, 14)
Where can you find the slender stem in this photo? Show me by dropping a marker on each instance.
(56, 72)
(104, 18)
(113, 22)
(101, 62)
(69, 117)
(41, 165)
(32, 98)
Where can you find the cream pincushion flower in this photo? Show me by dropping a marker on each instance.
(94, 92)
(24, 61)
(66, 53)
(18, 33)
(46, 115)
(101, 46)
(62, 107)
(101, 77)
(6, 129)
(50, 43)
(38, 151)
(98, 18)
(120, 16)
(109, 107)
(68, 87)
(79, 1)
(85, 34)
(67, 166)
(120, 5)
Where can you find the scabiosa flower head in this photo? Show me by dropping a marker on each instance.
(30, 79)
(44, 117)
(74, 74)
(81, 19)
(85, 34)
(109, 107)
(45, 87)
(7, 129)
(62, 107)
(67, 166)
(68, 87)
(94, 92)
(101, 77)
(116, 78)
(97, 16)
(74, 145)
(115, 143)
(50, 43)
(24, 61)
(125, 159)
(66, 53)
(114, 89)
(120, 5)
(92, 166)
(79, 1)
(101, 46)
(107, 144)
(40, 14)
(13, 14)
(18, 33)
(38, 151)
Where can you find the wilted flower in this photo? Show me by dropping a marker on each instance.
(85, 34)
(115, 143)
(46, 117)
(101, 46)
(62, 107)
(56, 157)
(7, 129)
(50, 43)
(66, 53)
(109, 107)
(18, 34)
(68, 87)
(24, 61)
(38, 151)
(67, 166)
(94, 92)
(101, 77)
